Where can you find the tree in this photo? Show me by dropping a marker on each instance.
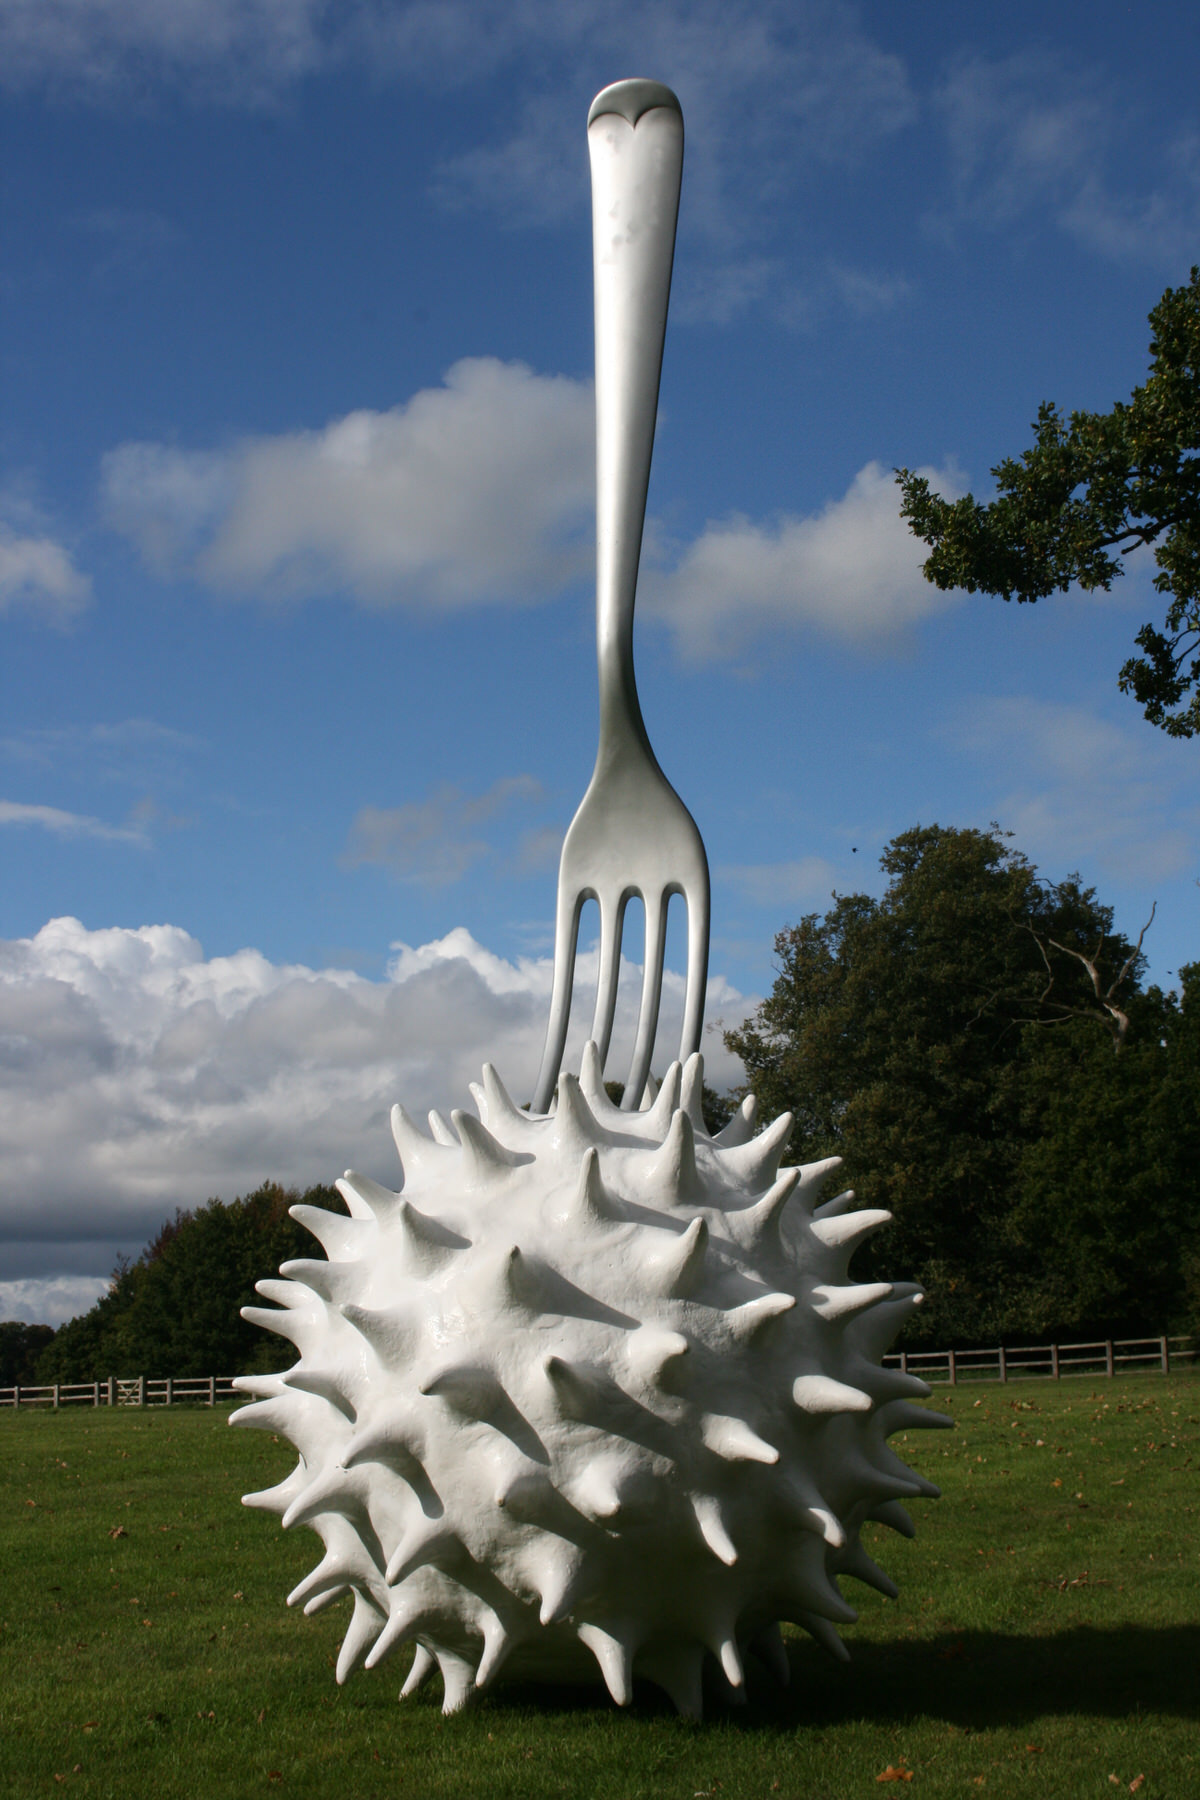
(20, 1347)
(1091, 489)
(176, 1310)
(912, 1035)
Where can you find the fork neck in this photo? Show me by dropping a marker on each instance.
(636, 158)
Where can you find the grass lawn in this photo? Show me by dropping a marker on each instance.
(1046, 1641)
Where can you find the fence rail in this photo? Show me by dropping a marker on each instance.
(1046, 1362)
(122, 1390)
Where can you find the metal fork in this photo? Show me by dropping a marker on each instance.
(632, 835)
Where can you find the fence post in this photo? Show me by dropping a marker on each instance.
(141, 1399)
(904, 1362)
(17, 1397)
(1108, 1357)
(212, 1390)
(170, 1390)
(112, 1391)
(953, 1368)
(1164, 1355)
(56, 1396)
(95, 1393)
(1054, 1374)
(1003, 1365)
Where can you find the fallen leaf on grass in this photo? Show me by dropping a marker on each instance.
(116, 1531)
(90, 1725)
(891, 1774)
(1136, 1783)
(1035, 1748)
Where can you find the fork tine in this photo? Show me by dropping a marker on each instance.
(696, 901)
(611, 925)
(566, 931)
(652, 974)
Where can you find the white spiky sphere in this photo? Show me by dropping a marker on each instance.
(594, 1391)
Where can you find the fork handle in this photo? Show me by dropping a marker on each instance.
(635, 143)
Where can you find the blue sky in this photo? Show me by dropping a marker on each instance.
(297, 676)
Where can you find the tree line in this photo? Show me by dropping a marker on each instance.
(979, 1045)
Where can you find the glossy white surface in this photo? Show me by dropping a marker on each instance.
(592, 1395)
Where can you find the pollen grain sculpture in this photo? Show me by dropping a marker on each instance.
(594, 1394)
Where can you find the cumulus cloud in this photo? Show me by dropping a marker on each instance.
(69, 824)
(479, 490)
(851, 572)
(38, 576)
(1073, 786)
(433, 841)
(136, 1074)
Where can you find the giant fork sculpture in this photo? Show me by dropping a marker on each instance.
(632, 835)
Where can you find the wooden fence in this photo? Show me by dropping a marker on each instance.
(1045, 1362)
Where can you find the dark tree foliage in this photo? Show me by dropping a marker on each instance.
(1092, 488)
(20, 1347)
(1040, 1185)
(176, 1310)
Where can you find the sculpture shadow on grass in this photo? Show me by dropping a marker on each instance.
(970, 1678)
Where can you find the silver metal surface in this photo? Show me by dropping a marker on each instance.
(632, 835)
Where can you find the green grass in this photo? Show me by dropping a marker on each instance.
(1047, 1638)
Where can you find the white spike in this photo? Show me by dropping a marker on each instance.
(670, 1173)
(366, 1199)
(734, 1441)
(484, 1158)
(597, 1494)
(290, 1294)
(677, 1270)
(691, 1091)
(419, 1155)
(832, 1209)
(430, 1543)
(740, 1128)
(469, 1388)
(744, 1322)
(894, 1516)
(678, 1670)
(899, 1415)
(615, 1657)
(820, 1395)
(590, 1203)
(763, 1220)
(559, 1585)
(402, 1624)
(756, 1164)
(653, 1352)
(283, 1324)
(504, 1118)
(277, 1499)
(824, 1633)
(656, 1118)
(855, 1561)
(423, 1665)
(497, 1645)
(440, 1132)
(838, 1303)
(458, 1680)
(649, 1093)
(812, 1512)
(331, 1575)
(712, 1528)
(338, 1236)
(846, 1231)
(723, 1645)
(575, 1127)
(362, 1632)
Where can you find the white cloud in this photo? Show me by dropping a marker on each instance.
(51, 1301)
(851, 572)
(1033, 133)
(136, 1074)
(240, 49)
(68, 824)
(433, 841)
(38, 576)
(1075, 788)
(476, 491)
